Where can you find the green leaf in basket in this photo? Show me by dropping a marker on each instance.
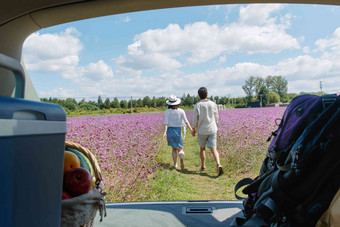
(84, 161)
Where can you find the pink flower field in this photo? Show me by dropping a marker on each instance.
(126, 146)
(243, 134)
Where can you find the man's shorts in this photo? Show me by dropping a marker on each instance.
(210, 140)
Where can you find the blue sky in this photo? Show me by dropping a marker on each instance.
(176, 51)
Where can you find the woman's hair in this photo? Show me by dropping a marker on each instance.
(173, 106)
(203, 92)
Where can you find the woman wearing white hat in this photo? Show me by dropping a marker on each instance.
(174, 119)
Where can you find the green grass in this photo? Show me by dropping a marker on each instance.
(173, 184)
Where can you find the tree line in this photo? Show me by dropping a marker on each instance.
(271, 89)
(71, 104)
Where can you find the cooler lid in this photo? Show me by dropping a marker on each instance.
(21, 109)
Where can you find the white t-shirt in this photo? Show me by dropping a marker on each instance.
(205, 117)
(175, 117)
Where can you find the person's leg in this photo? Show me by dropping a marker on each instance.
(212, 144)
(217, 159)
(216, 155)
(181, 157)
(180, 148)
(202, 156)
(202, 141)
(174, 156)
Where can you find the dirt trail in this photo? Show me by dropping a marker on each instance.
(208, 184)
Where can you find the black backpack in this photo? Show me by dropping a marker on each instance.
(301, 173)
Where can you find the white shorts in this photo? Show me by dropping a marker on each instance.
(210, 140)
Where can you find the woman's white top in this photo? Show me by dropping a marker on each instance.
(175, 117)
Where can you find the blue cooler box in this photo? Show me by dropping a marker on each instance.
(32, 140)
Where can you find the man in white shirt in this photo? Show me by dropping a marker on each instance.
(205, 124)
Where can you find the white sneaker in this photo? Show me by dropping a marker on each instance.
(181, 154)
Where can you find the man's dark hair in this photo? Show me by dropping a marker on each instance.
(173, 107)
(203, 92)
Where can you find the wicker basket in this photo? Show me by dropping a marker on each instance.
(81, 210)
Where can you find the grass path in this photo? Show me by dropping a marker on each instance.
(191, 184)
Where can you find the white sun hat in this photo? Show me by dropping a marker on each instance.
(173, 100)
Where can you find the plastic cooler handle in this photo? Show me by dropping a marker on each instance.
(15, 66)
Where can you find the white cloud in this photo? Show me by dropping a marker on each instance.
(222, 59)
(123, 20)
(97, 71)
(332, 43)
(174, 47)
(52, 52)
(258, 14)
(59, 92)
(306, 50)
(156, 61)
(59, 52)
(92, 77)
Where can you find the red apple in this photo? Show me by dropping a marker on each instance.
(78, 181)
(66, 195)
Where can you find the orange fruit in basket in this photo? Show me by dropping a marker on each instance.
(71, 161)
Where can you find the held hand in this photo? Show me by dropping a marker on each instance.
(193, 132)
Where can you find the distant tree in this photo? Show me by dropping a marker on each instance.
(280, 86)
(115, 103)
(223, 100)
(249, 87)
(239, 102)
(124, 104)
(90, 106)
(147, 101)
(259, 84)
(133, 102)
(153, 102)
(277, 84)
(217, 100)
(161, 102)
(269, 82)
(313, 93)
(140, 103)
(106, 104)
(263, 95)
(92, 103)
(71, 104)
(273, 97)
(288, 97)
(188, 101)
(81, 102)
(100, 102)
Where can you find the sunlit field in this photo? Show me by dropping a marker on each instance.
(127, 146)
(243, 134)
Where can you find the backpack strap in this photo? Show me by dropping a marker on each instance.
(284, 168)
(329, 99)
(240, 184)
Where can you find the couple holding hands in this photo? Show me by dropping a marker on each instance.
(204, 123)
